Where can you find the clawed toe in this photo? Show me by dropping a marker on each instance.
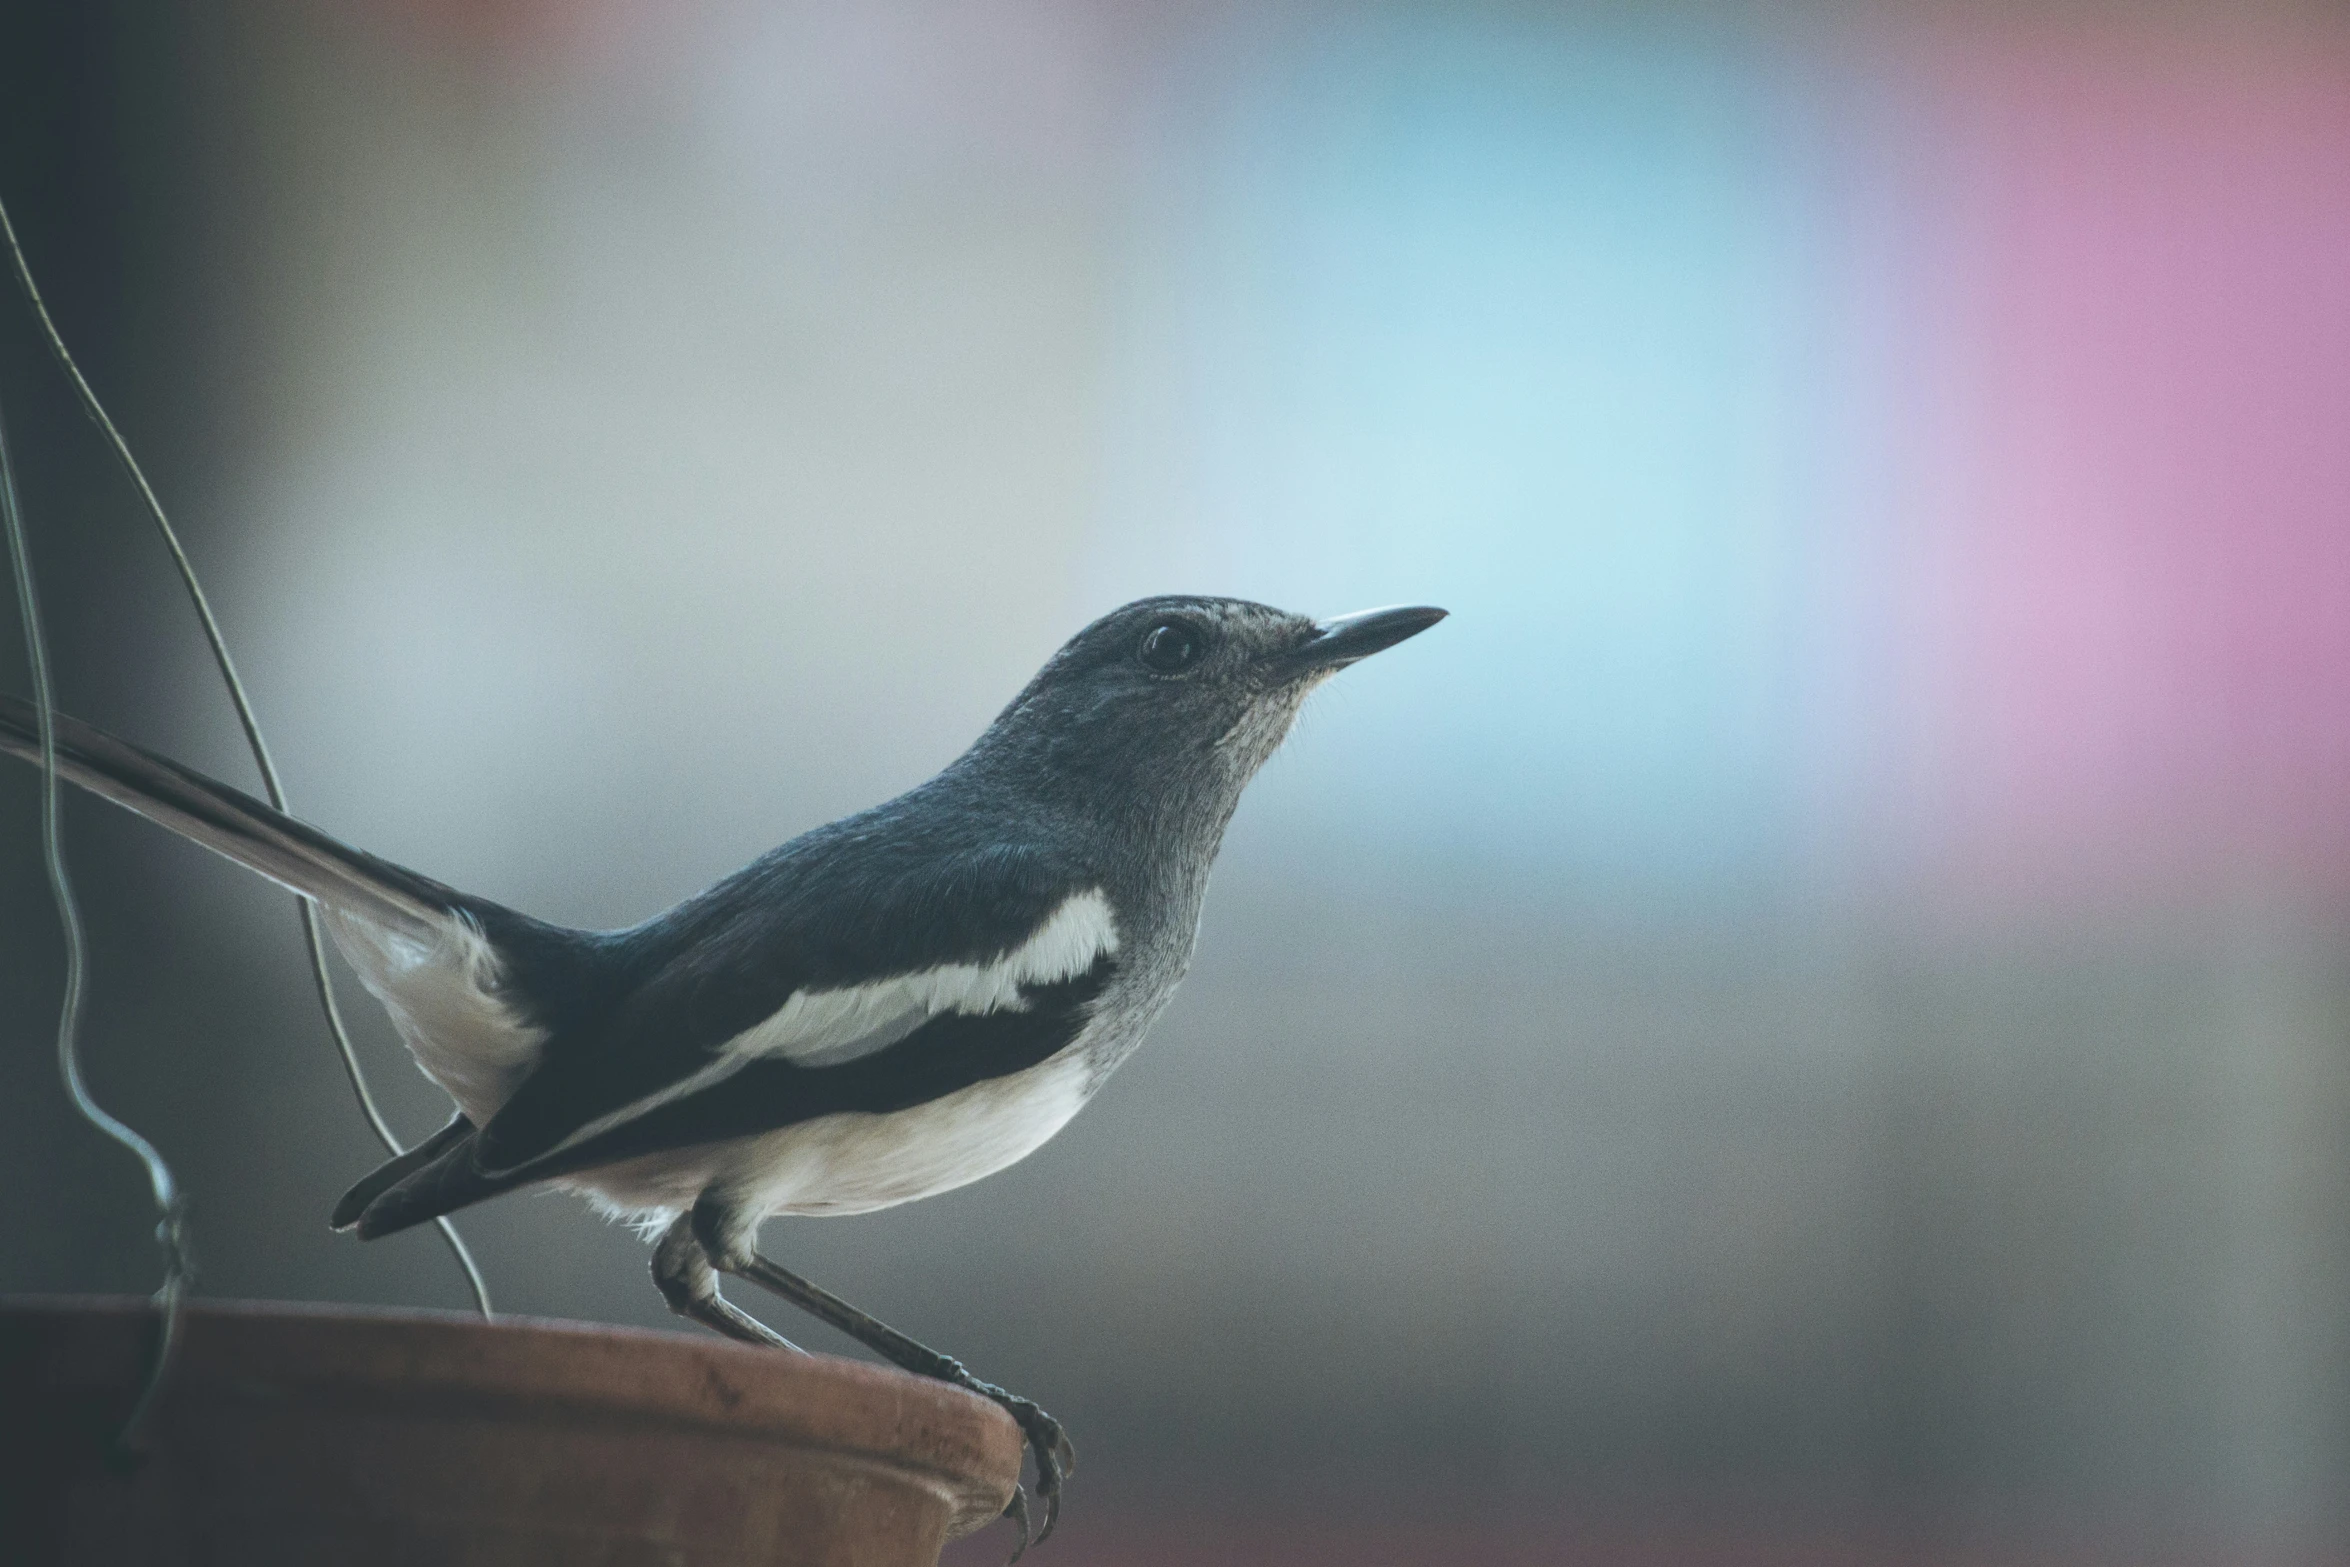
(1017, 1510)
(1055, 1457)
(698, 1240)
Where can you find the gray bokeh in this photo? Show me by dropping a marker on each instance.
(592, 509)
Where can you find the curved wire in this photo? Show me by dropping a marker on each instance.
(179, 1267)
(313, 937)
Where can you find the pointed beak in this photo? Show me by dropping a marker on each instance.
(1340, 642)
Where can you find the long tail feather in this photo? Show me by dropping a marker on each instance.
(449, 1182)
(393, 1171)
(232, 823)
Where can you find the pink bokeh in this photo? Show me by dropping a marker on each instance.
(2132, 581)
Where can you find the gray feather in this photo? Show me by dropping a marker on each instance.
(232, 823)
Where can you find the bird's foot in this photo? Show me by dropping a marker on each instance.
(687, 1281)
(1049, 1447)
(1048, 1444)
(1017, 1510)
(1051, 1450)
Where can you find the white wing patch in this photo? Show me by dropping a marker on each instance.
(829, 1027)
(821, 1028)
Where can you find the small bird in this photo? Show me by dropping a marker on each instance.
(882, 1009)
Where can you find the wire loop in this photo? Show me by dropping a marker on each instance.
(172, 1231)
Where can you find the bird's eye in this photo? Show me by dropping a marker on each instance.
(1169, 648)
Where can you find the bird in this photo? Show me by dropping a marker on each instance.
(888, 1007)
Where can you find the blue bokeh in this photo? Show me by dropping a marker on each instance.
(1530, 324)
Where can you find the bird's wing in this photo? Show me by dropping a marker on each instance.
(810, 987)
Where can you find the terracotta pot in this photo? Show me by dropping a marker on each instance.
(304, 1435)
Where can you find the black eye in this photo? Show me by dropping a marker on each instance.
(1169, 647)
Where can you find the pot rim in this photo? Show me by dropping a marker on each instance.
(953, 1442)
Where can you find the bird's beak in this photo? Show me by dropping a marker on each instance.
(1340, 642)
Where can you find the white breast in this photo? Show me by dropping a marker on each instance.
(857, 1162)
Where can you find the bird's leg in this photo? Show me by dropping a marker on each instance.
(683, 1275)
(1055, 1455)
(729, 1251)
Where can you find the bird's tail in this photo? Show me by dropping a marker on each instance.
(232, 823)
(420, 1190)
(437, 949)
(393, 1171)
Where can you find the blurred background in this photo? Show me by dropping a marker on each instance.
(1810, 1022)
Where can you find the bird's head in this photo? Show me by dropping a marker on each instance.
(1180, 700)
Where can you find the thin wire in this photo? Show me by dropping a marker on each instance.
(171, 1230)
(312, 936)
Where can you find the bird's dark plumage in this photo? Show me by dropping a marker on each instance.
(840, 907)
(571, 1050)
(393, 1171)
(882, 1008)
